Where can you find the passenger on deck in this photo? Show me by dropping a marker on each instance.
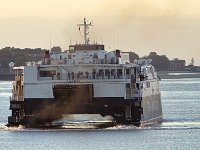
(65, 60)
(93, 74)
(142, 77)
(97, 75)
(102, 75)
(68, 76)
(109, 72)
(72, 75)
(58, 75)
(52, 74)
(87, 74)
(78, 75)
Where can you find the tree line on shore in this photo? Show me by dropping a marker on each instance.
(20, 56)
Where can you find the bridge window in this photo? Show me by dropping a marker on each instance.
(128, 85)
(112, 72)
(71, 49)
(100, 72)
(119, 72)
(127, 71)
(107, 72)
(46, 73)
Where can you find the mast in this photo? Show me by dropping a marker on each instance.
(86, 32)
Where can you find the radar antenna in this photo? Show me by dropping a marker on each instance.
(86, 32)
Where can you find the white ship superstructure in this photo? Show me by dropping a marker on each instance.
(86, 80)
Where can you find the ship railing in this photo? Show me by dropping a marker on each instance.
(86, 80)
(127, 76)
(19, 78)
(78, 77)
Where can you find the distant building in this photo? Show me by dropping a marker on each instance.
(177, 65)
(192, 67)
(56, 49)
(192, 62)
(196, 69)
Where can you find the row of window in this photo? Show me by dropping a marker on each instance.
(128, 85)
(108, 72)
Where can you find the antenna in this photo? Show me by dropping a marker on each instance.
(50, 42)
(70, 42)
(115, 41)
(86, 32)
(102, 40)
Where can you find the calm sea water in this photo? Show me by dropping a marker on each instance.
(179, 130)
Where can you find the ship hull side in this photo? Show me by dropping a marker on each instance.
(46, 110)
(151, 110)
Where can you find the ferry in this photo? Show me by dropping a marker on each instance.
(86, 79)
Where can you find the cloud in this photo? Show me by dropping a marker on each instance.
(151, 7)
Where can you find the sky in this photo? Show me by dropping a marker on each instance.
(168, 27)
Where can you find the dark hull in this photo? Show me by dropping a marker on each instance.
(42, 112)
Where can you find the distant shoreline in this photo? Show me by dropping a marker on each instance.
(6, 75)
(178, 74)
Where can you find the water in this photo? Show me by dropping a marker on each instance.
(179, 130)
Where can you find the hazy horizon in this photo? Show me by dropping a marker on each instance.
(170, 28)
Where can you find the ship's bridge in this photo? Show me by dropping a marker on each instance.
(85, 47)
